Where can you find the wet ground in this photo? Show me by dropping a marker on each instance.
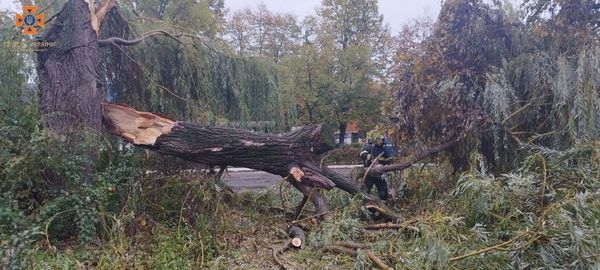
(243, 179)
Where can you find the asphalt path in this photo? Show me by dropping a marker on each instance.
(243, 179)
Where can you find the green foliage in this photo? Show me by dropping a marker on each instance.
(194, 78)
(335, 72)
(442, 84)
(500, 81)
(44, 191)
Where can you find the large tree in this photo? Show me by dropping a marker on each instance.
(335, 70)
(262, 33)
(69, 88)
(160, 57)
(192, 74)
(442, 86)
(353, 31)
(507, 83)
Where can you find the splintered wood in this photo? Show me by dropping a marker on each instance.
(140, 128)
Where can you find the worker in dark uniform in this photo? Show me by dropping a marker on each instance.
(381, 150)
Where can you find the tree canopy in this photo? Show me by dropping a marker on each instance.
(485, 73)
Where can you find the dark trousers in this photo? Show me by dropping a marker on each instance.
(380, 184)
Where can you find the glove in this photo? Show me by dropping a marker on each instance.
(369, 157)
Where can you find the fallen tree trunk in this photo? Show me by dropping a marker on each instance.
(291, 155)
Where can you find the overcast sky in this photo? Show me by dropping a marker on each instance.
(395, 12)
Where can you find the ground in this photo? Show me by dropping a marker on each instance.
(223, 230)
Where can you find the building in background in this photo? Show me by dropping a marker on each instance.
(353, 134)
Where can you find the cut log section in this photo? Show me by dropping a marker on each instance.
(297, 235)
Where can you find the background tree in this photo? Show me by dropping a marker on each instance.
(352, 29)
(54, 169)
(334, 70)
(262, 33)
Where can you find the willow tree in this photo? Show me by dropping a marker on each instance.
(569, 40)
(71, 95)
(69, 90)
(548, 93)
(190, 76)
(506, 83)
(160, 58)
(442, 86)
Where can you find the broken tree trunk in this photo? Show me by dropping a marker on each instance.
(291, 155)
(222, 146)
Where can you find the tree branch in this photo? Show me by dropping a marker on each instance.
(401, 166)
(489, 248)
(377, 261)
(390, 225)
(125, 42)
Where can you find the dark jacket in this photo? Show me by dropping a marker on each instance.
(368, 152)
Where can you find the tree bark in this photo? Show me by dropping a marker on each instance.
(69, 95)
(377, 170)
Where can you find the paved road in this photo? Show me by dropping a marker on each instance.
(242, 179)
